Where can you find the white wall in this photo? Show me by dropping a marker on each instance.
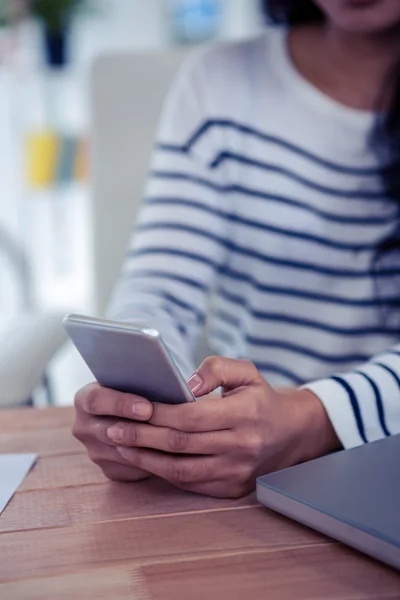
(143, 24)
(241, 18)
(121, 25)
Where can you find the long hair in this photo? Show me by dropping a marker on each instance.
(385, 137)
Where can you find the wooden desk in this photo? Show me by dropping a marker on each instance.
(70, 534)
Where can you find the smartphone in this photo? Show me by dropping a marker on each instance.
(128, 358)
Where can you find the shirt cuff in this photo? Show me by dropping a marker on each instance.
(337, 403)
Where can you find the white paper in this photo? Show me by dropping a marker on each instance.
(13, 470)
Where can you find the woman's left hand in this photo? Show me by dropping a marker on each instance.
(218, 446)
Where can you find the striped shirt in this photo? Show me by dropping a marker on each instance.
(261, 218)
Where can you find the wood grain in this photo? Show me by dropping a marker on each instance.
(328, 573)
(104, 502)
(45, 442)
(71, 470)
(27, 419)
(70, 534)
(52, 551)
(108, 584)
(323, 572)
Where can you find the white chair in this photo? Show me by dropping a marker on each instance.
(28, 341)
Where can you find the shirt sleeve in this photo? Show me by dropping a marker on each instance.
(363, 405)
(179, 242)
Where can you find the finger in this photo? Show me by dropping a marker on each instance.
(91, 430)
(220, 489)
(171, 440)
(96, 400)
(176, 470)
(211, 414)
(113, 464)
(218, 371)
(117, 472)
(101, 453)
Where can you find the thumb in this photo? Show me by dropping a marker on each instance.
(227, 373)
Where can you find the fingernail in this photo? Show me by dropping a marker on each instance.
(123, 451)
(195, 383)
(142, 410)
(127, 453)
(115, 433)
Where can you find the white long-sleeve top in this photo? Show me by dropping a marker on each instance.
(261, 219)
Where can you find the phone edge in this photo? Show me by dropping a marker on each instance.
(152, 333)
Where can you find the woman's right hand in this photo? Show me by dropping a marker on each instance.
(93, 406)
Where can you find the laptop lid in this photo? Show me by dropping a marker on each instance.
(352, 496)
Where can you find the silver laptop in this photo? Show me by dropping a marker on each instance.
(352, 496)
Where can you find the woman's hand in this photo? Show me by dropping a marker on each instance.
(218, 446)
(94, 405)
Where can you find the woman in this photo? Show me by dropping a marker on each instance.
(273, 204)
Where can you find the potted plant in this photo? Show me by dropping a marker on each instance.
(56, 17)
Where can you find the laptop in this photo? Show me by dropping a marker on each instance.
(352, 496)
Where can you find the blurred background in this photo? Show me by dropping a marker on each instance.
(81, 86)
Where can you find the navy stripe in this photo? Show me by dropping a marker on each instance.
(200, 315)
(220, 335)
(352, 247)
(271, 168)
(178, 176)
(355, 406)
(267, 289)
(179, 326)
(346, 220)
(150, 250)
(131, 274)
(164, 147)
(283, 345)
(270, 139)
(303, 266)
(308, 323)
(267, 367)
(389, 370)
(314, 297)
(378, 401)
(261, 315)
(304, 351)
(322, 241)
(239, 189)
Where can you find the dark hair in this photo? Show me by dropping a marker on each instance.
(386, 135)
(291, 12)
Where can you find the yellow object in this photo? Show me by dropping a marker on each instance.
(42, 158)
(81, 162)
